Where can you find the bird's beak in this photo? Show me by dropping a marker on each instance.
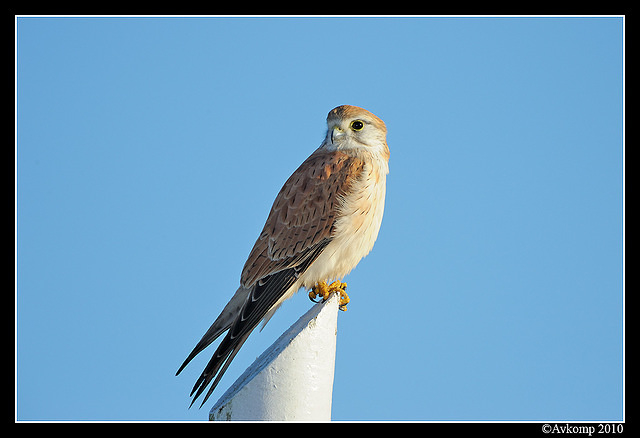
(336, 133)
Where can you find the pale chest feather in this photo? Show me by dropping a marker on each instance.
(356, 229)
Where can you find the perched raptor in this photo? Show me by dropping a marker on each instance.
(324, 220)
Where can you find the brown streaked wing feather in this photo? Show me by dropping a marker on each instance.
(303, 213)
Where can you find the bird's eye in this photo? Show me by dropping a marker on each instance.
(357, 125)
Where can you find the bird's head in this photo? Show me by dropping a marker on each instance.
(351, 128)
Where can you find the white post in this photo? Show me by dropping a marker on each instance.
(293, 379)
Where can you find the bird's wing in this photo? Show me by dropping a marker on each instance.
(298, 228)
(263, 296)
(303, 214)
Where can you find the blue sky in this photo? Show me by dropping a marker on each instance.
(149, 151)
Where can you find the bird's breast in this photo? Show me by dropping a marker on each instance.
(356, 227)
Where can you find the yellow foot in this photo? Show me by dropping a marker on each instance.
(323, 290)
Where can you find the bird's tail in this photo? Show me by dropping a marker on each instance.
(220, 325)
(217, 366)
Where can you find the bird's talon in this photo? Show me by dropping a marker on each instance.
(319, 290)
(323, 290)
(344, 300)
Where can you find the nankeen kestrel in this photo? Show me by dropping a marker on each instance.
(325, 219)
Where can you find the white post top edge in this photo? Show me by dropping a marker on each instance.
(293, 379)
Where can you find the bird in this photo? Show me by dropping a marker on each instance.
(324, 220)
